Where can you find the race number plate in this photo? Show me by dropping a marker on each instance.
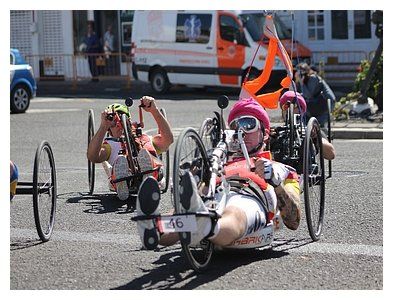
(179, 223)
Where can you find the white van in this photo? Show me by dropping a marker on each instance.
(195, 48)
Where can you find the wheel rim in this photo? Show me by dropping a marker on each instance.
(21, 98)
(314, 184)
(205, 133)
(90, 165)
(190, 154)
(45, 193)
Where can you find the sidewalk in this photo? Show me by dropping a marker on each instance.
(120, 89)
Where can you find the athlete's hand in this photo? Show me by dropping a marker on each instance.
(104, 120)
(149, 104)
(264, 169)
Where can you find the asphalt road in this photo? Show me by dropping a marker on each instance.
(95, 245)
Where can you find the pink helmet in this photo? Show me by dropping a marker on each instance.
(249, 107)
(289, 96)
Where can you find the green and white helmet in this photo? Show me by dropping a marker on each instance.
(119, 108)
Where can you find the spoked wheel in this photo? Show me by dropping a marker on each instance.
(209, 133)
(44, 191)
(90, 165)
(132, 153)
(291, 127)
(329, 134)
(165, 159)
(314, 179)
(190, 155)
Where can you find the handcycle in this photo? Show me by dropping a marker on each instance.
(300, 146)
(130, 147)
(43, 188)
(207, 166)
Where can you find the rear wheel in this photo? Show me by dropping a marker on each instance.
(209, 133)
(90, 165)
(132, 153)
(291, 125)
(164, 157)
(20, 98)
(314, 179)
(159, 81)
(190, 155)
(44, 191)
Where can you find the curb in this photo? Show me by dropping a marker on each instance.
(357, 133)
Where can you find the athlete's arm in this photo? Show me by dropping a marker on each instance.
(95, 152)
(165, 138)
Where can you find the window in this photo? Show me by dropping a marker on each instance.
(315, 25)
(229, 29)
(362, 20)
(79, 28)
(339, 24)
(193, 28)
(254, 23)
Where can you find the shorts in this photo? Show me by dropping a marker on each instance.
(256, 216)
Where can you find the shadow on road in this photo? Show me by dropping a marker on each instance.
(24, 244)
(173, 271)
(101, 203)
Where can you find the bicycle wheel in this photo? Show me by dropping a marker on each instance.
(132, 150)
(190, 155)
(208, 133)
(90, 165)
(291, 126)
(314, 179)
(165, 159)
(44, 191)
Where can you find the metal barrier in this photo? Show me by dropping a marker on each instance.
(339, 67)
(81, 66)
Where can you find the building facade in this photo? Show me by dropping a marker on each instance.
(51, 40)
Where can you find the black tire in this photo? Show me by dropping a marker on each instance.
(207, 134)
(329, 135)
(91, 167)
(190, 153)
(20, 99)
(291, 126)
(44, 183)
(165, 158)
(314, 179)
(159, 81)
(132, 153)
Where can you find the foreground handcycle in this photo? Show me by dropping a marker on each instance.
(207, 167)
(130, 147)
(43, 188)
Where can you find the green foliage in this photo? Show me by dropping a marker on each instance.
(341, 109)
(376, 80)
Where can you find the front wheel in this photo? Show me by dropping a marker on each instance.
(90, 165)
(190, 156)
(314, 179)
(44, 191)
(165, 159)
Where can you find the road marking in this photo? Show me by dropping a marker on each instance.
(48, 100)
(134, 241)
(38, 111)
(175, 131)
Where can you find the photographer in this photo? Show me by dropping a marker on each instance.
(316, 92)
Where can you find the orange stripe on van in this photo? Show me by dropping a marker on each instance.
(172, 52)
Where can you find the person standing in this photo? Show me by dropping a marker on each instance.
(93, 47)
(316, 92)
(109, 47)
